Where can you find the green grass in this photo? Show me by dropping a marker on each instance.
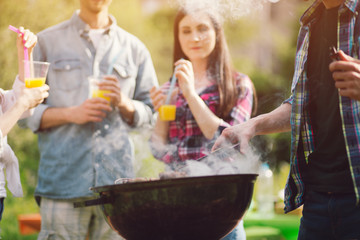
(9, 224)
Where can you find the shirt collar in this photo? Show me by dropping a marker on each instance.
(83, 28)
(310, 13)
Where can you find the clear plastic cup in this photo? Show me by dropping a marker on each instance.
(94, 88)
(35, 73)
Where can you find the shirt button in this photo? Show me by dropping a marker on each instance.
(123, 73)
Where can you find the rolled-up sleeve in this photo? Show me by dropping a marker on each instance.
(145, 80)
(289, 100)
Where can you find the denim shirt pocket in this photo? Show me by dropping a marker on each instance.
(68, 74)
(127, 78)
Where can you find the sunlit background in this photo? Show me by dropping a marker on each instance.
(262, 43)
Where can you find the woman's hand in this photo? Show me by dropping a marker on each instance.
(111, 83)
(31, 97)
(28, 40)
(157, 97)
(185, 75)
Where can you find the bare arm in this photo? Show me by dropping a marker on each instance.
(92, 110)
(27, 98)
(126, 109)
(207, 121)
(9, 118)
(276, 121)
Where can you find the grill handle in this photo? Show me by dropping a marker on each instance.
(93, 202)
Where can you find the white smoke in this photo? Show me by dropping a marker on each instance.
(224, 161)
(224, 9)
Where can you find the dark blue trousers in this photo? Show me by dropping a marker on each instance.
(329, 216)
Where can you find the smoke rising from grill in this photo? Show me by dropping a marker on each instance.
(111, 153)
(224, 161)
(224, 9)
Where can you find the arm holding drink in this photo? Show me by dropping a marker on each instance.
(25, 98)
(93, 109)
(158, 98)
(14, 105)
(113, 93)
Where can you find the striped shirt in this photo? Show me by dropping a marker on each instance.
(348, 41)
(185, 139)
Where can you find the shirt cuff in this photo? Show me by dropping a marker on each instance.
(289, 100)
(143, 114)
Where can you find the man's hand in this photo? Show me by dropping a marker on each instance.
(111, 83)
(346, 73)
(241, 133)
(92, 110)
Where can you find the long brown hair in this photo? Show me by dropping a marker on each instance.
(219, 65)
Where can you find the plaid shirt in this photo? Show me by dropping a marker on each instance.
(185, 139)
(348, 41)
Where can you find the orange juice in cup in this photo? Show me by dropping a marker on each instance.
(100, 93)
(35, 73)
(167, 112)
(34, 82)
(94, 88)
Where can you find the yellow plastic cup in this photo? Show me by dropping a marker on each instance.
(94, 88)
(167, 112)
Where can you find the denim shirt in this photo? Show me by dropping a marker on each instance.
(74, 157)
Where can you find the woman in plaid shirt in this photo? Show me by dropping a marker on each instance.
(209, 94)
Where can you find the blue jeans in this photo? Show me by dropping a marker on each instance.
(1, 207)
(330, 216)
(237, 234)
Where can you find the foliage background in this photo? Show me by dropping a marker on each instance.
(245, 37)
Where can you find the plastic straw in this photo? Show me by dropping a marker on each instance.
(26, 52)
(113, 61)
(172, 85)
(14, 29)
